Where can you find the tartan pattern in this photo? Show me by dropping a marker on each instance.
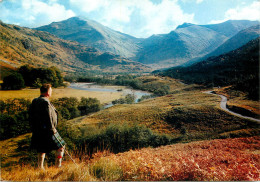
(58, 140)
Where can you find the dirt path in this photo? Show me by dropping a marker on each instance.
(223, 105)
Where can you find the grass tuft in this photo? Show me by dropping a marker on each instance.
(106, 170)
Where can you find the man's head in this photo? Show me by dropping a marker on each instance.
(46, 90)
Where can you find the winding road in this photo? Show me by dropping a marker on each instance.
(223, 105)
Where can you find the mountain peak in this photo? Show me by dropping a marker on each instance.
(184, 25)
(78, 18)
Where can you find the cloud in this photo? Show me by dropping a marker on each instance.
(33, 13)
(138, 18)
(199, 1)
(164, 17)
(250, 12)
(135, 17)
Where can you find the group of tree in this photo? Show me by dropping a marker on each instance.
(71, 107)
(27, 76)
(129, 99)
(14, 115)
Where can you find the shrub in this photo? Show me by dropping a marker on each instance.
(120, 138)
(8, 126)
(14, 117)
(144, 97)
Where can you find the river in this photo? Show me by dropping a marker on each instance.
(101, 88)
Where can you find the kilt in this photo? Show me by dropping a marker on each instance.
(58, 140)
(45, 142)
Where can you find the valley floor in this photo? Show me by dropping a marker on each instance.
(104, 97)
(209, 143)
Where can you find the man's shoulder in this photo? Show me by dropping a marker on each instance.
(41, 100)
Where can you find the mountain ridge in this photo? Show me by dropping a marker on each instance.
(91, 33)
(29, 46)
(187, 42)
(238, 40)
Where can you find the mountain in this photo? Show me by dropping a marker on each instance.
(93, 34)
(21, 45)
(187, 42)
(238, 40)
(231, 27)
(179, 46)
(239, 68)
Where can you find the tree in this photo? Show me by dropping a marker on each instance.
(35, 77)
(14, 81)
(58, 74)
(26, 72)
(89, 105)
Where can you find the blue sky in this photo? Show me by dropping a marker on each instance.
(139, 18)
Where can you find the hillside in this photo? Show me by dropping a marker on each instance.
(184, 116)
(239, 68)
(93, 34)
(187, 42)
(26, 46)
(218, 160)
(238, 40)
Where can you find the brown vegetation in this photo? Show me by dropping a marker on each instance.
(218, 160)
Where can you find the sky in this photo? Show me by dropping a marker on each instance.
(139, 18)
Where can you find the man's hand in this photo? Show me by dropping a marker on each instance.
(54, 131)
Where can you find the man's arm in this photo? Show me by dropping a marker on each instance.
(48, 118)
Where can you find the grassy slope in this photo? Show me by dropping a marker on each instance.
(188, 113)
(26, 46)
(219, 160)
(9, 153)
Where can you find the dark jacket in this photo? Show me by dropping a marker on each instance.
(43, 119)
